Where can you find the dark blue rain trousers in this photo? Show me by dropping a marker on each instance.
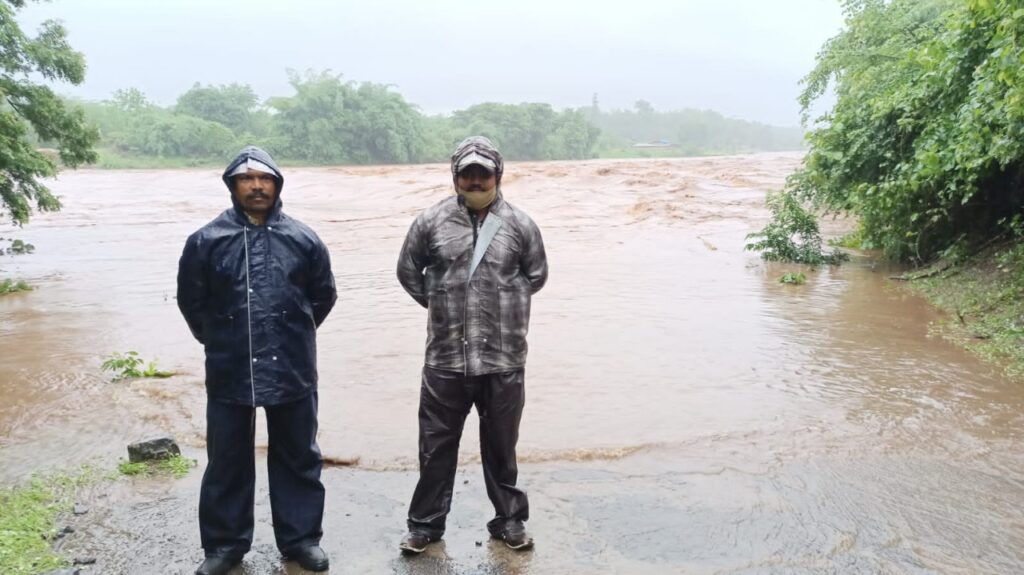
(229, 484)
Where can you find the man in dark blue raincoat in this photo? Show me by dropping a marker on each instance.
(473, 261)
(254, 285)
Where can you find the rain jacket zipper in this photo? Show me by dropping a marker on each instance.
(248, 315)
(465, 302)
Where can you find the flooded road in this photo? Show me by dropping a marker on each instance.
(685, 411)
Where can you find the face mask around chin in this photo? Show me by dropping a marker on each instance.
(479, 200)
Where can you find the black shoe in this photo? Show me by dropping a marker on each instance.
(310, 558)
(218, 564)
(416, 542)
(513, 533)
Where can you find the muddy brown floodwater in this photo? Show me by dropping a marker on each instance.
(686, 412)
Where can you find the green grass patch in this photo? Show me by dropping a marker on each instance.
(984, 300)
(13, 286)
(28, 521)
(176, 466)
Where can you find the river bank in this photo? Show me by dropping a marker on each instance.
(983, 299)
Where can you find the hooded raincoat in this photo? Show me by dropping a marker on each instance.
(476, 278)
(254, 295)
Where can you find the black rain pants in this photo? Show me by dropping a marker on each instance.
(445, 400)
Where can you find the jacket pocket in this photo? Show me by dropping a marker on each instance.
(223, 350)
(219, 330)
(438, 315)
(514, 317)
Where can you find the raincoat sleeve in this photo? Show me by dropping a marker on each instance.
(192, 287)
(413, 259)
(533, 261)
(321, 291)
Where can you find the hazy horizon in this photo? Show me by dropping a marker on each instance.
(740, 58)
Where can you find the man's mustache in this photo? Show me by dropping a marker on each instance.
(255, 195)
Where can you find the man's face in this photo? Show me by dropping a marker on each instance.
(255, 191)
(476, 178)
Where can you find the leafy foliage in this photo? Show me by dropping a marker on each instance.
(792, 234)
(130, 365)
(232, 106)
(30, 112)
(330, 121)
(925, 144)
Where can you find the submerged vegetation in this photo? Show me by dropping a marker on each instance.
(12, 286)
(18, 247)
(130, 365)
(792, 235)
(793, 278)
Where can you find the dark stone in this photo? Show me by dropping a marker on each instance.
(81, 509)
(163, 448)
(84, 560)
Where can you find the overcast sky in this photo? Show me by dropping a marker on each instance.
(743, 58)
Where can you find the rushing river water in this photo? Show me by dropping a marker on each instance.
(756, 426)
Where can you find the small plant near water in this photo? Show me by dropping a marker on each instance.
(130, 365)
(792, 235)
(176, 465)
(13, 286)
(793, 278)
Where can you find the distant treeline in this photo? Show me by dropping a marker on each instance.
(332, 121)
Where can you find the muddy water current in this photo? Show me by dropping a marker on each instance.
(686, 412)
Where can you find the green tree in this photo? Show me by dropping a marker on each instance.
(29, 108)
(529, 131)
(692, 132)
(925, 143)
(130, 101)
(329, 121)
(232, 105)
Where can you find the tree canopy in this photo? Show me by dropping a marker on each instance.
(32, 115)
(925, 143)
